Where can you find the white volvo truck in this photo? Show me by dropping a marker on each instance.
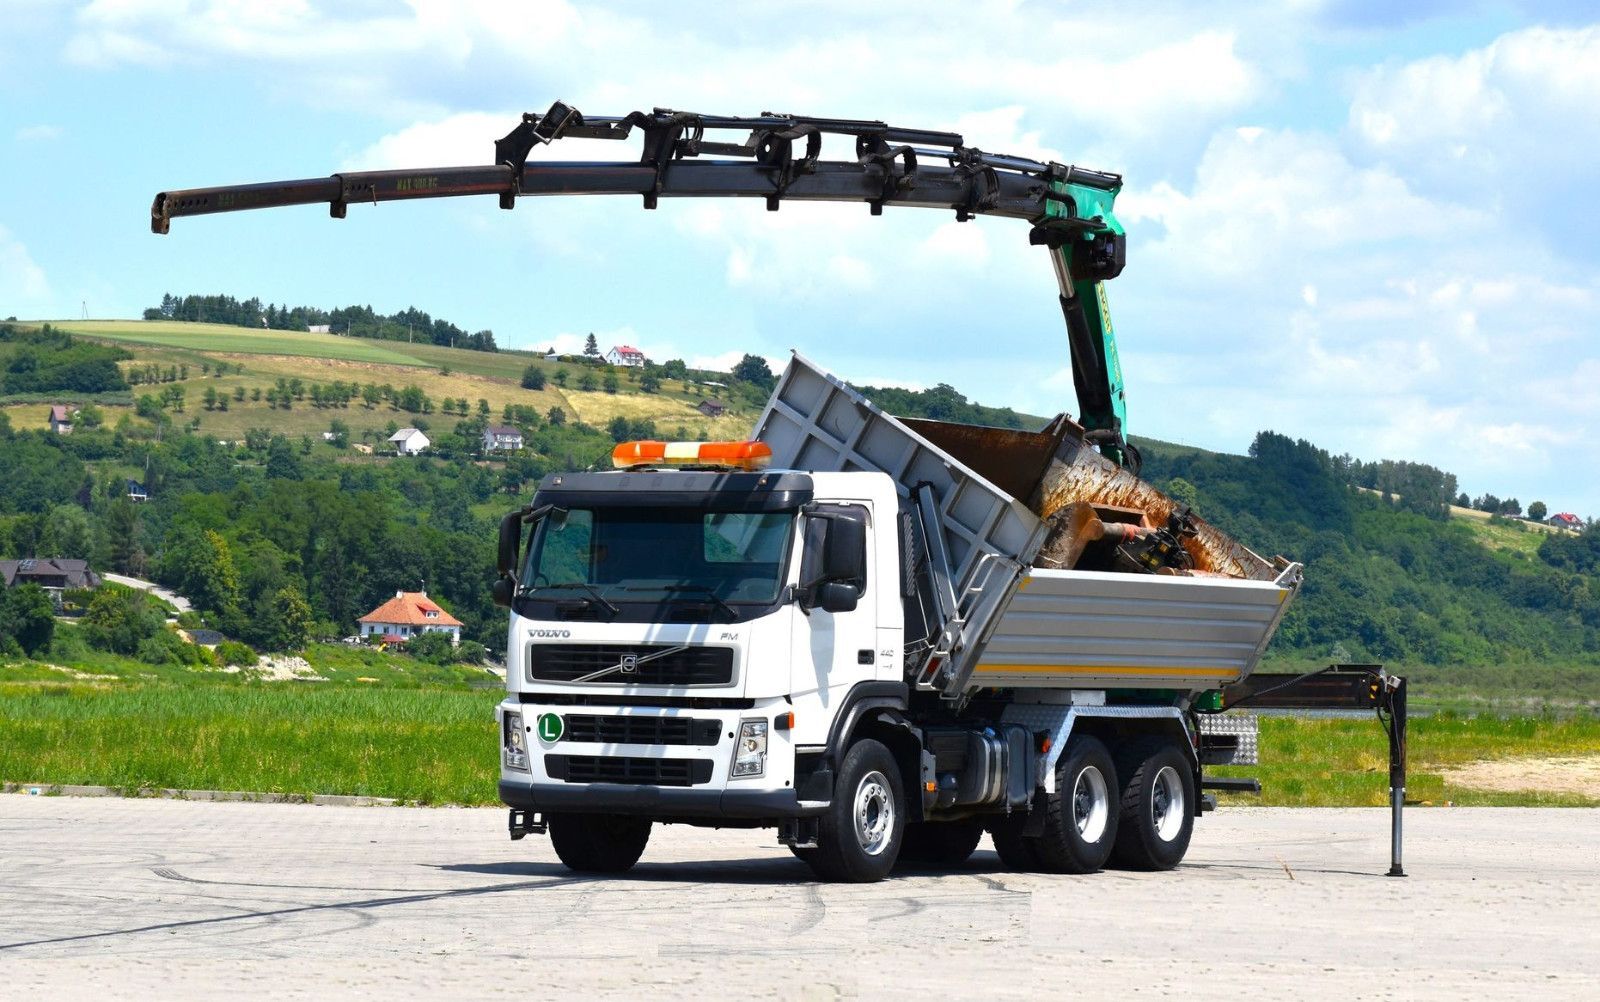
(881, 637)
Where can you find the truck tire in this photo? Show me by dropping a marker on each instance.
(1157, 814)
(940, 845)
(599, 843)
(1015, 849)
(859, 836)
(1080, 820)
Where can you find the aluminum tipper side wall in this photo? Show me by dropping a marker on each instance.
(1008, 623)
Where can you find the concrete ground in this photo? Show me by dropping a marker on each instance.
(108, 898)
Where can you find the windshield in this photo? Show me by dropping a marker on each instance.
(642, 554)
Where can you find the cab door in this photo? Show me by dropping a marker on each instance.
(836, 635)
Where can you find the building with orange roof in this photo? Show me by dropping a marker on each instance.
(409, 614)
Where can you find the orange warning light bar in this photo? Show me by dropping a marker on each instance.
(727, 455)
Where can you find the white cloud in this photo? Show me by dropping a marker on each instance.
(24, 291)
(1501, 122)
(38, 133)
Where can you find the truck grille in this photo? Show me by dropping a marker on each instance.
(691, 666)
(633, 771)
(641, 730)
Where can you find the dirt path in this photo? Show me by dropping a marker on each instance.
(1550, 775)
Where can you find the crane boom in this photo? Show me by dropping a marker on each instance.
(779, 159)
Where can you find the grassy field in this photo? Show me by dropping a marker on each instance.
(229, 338)
(435, 745)
(1345, 763)
(426, 746)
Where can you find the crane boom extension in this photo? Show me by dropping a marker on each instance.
(779, 159)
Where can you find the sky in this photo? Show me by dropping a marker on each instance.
(1367, 224)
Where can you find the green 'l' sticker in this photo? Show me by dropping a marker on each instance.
(549, 727)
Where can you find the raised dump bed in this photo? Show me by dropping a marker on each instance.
(1065, 570)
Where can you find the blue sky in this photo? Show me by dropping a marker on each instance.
(1367, 224)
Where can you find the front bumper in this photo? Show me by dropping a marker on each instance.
(546, 790)
(663, 803)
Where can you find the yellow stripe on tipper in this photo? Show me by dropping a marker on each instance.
(1106, 671)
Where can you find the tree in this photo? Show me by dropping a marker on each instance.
(118, 619)
(674, 368)
(67, 533)
(121, 525)
(483, 408)
(754, 369)
(591, 347)
(288, 624)
(434, 648)
(650, 382)
(370, 396)
(586, 382)
(610, 383)
(561, 378)
(533, 378)
(29, 617)
(556, 417)
(340, 432)
(1537, 511)
(1511, 506)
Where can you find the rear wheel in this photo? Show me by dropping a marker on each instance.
(1080, 821)
(1157, 811)
(940, 844)
(599, 843)
(1015, 849)
(858, 837)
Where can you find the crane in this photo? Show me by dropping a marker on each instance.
(779, 159)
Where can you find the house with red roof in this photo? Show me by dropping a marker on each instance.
(409, 614)
(1566, 520)
(61, 418)
(626, 354)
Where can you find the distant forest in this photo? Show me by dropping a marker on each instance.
(48, 360)
(356, 321)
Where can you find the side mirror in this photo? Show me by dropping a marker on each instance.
(502, 590)
(836, 597)
(510, 543)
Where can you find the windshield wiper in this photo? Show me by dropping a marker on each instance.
(708, 593)
(594, 593)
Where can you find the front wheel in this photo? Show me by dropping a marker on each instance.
(858, 839)
(599, 843)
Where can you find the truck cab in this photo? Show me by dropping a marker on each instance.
(683, 643)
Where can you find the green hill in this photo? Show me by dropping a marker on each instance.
(249, 501)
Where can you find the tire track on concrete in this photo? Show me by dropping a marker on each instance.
(278, 913)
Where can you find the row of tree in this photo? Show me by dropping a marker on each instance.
(410, 324)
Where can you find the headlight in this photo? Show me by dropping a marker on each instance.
(513, 741)
(750, 752)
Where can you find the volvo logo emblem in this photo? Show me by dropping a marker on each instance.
(563, 634)
(630, 663)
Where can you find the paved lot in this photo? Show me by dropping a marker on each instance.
(125, 898)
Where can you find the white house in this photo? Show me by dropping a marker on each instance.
(409, 442)
(61, 416)
(410, 614)
(626, 354)
(501, 438)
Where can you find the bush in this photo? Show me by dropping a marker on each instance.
(232, 653)
(167, 648)
(533, 378)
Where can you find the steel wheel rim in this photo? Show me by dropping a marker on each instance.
(1091, 804)
(873, 813)
(1167, 809)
